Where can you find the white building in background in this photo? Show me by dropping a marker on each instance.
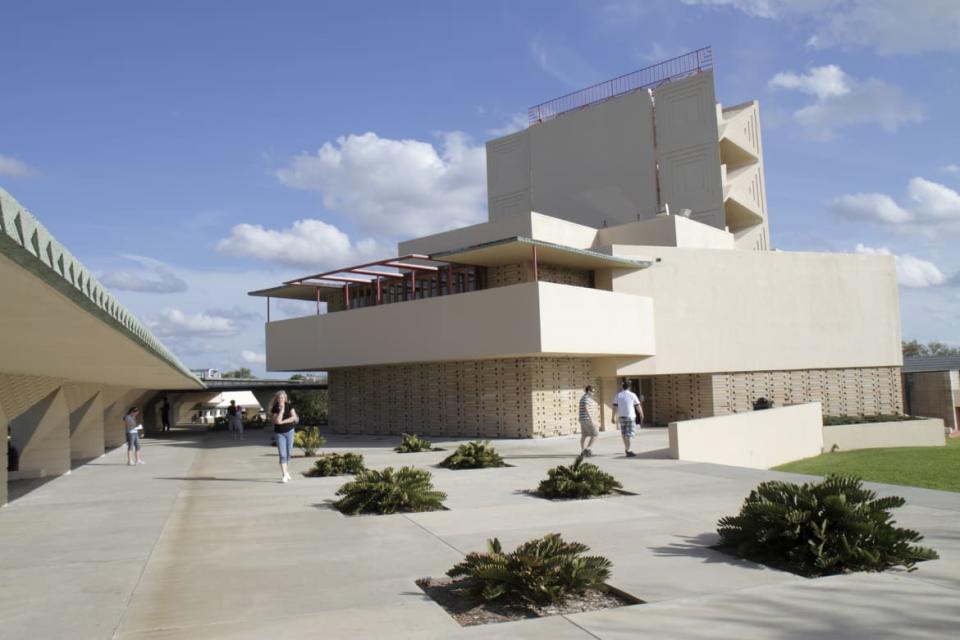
(585, 273)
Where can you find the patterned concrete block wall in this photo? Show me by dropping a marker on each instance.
(843, 392)
(506, 398)
(505, 275)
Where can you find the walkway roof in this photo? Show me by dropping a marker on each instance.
(919, 364)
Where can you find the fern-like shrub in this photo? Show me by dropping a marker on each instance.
(578, 480)
(309, 440)
(388, 491)
(412, 444)
(538, 572)
(474, 455)
(818, 529)
(337, 464)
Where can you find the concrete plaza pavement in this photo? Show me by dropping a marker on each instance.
(204, 542)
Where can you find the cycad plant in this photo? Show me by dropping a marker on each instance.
(578, 480)
(389, 491)
(474, 455)
(337, 464)
(309, 440)
(817, 529)
(412, 444)
(538, 572)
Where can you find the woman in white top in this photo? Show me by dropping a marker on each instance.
(134, 428)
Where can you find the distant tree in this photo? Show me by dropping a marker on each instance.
(311, 405)
(297, 376)
(914, 348)
(242, 372)
(941, 349)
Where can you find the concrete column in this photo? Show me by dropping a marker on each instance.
(150, 406)
(85, 403)
(3, 459)
(609, 387)
(42, 436)
(116, 401)
(264, 397)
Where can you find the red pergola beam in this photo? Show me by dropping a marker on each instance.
(412, 267)
(387, 262)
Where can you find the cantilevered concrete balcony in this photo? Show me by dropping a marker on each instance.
(531, 318)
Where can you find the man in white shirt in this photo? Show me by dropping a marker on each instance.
(627, 407)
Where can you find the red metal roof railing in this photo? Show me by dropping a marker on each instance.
(677, 68)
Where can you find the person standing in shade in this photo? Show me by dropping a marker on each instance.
(134, 428)
(165, 414)
(284, 419)
(235, 420)
(589, 417)
(627, 407)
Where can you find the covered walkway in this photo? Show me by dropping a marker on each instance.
(203, 542)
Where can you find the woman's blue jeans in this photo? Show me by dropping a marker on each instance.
(285, 445)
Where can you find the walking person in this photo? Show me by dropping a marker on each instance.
(165, 414)
(235, 420)
(589, 418)
(134, 429)
(284, 419)
(629, 412)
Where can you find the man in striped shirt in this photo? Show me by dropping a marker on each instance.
(589, 417)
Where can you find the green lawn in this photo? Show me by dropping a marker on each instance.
(929, 467)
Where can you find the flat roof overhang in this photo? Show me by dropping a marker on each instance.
(520, 249)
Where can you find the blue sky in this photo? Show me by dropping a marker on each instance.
(188, 152)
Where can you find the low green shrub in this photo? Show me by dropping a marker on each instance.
(474, 455)
(829, 421)
(337, 464)
(389, 491)
(219, 424)
(578, 480)
(412, 444)
(541, 571)
(309, 440)
(817, 529)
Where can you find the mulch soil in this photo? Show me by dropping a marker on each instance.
(469, 611)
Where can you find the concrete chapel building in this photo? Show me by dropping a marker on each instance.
(627, 237)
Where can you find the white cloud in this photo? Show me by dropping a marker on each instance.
(396, 187)
(934, 201)
(886, 26)
(307, 243)
(870, 206)
(153, 276)
(518, 122)
(772, 9)
(823, 82)
(253, 357)
(11, 167)
(841, 101)
(931, 208)
(891, 26)
(177, 324)
(952, 169)
(911, 271)
(564, 64)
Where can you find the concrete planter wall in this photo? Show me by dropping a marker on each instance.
(756, 439)
(928, 432)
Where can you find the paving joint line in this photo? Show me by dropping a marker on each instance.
(584, 629)
(153, 548)
(406, 517)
